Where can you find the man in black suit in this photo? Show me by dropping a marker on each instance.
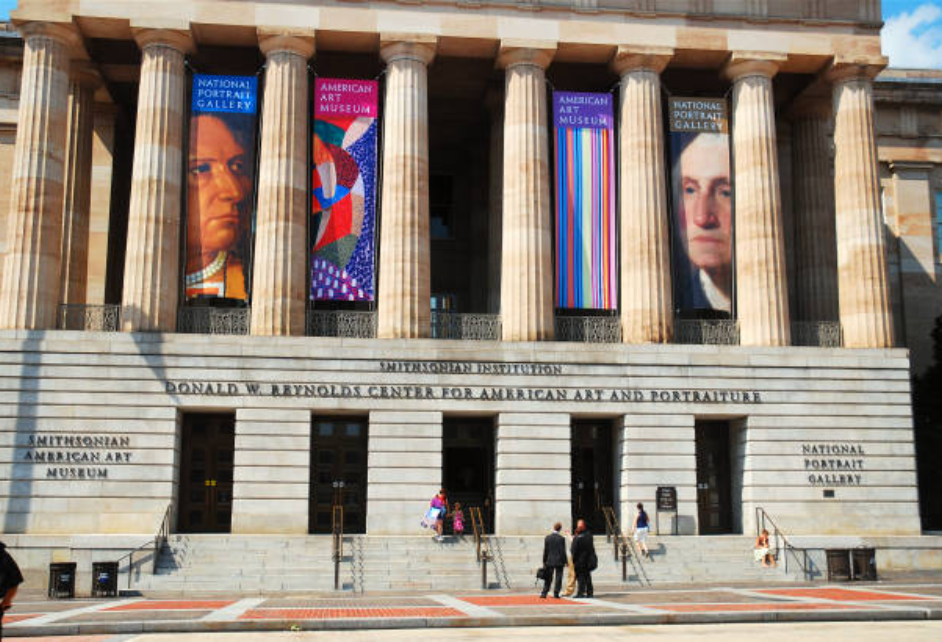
(554, 559)
(584, 559)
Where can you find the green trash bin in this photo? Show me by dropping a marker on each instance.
(838, 565)
(865, 564)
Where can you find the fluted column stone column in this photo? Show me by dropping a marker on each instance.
(526, 293)
(78, 184)
(29, 291)
(861, 246)
(815, 247)
(405, 252)
(761, 288)
(279, 278)
(646, 315)
(152, 260)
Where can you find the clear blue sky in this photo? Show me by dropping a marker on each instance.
(912, 36)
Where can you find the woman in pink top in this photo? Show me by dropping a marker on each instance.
(440, 501)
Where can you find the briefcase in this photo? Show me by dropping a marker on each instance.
(541, 573)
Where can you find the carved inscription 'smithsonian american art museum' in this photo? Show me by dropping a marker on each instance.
(261, 259)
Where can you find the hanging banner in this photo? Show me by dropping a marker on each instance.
(220, 183)
(702, 204)
(585, 201)
(344, 185)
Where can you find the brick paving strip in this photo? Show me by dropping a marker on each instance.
(316, 612)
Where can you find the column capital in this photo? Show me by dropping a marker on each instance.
(525, 52)
(742, 64)
(897, 167)
(64, 32)
(628, 59)
(85, 74)
(300, 42)
(847, 70)
(410, 46)
(178, 39)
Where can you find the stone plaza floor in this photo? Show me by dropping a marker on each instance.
(34, 615)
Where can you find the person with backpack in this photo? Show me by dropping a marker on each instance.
(10, 580)
(641, 527)
(584, 559)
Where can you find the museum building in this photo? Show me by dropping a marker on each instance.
(445, 283)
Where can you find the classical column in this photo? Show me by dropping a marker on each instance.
(78, 184)
(761, 289)
(861, 251)
(526, 293)
(405, 254)
(815, 248)
(646, 315)
(29, 291)
(279, 278)
(151, 265)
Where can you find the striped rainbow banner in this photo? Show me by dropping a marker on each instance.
(585, 201)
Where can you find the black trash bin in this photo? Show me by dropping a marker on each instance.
(104, 579)
(865, 564)
(62, 580)
(838, 564)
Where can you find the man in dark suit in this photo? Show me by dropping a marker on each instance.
(584, 559)
(554, 559)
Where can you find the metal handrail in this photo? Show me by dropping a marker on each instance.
(336, 530)
(160, 539)
(623, 544)
(481, 544)
(800, 554)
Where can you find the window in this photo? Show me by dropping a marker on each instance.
(441, 205)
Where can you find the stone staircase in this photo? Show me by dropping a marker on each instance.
(247, 564)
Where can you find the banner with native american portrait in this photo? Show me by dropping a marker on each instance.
(219, 187)
(702, 196)
(585, 201)
(344, 189)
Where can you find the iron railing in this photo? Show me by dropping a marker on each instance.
(470, 327)
(822, 334)
(159, 542)
(588, 329)
(341, 323)
(722, 332)
(482, 545)
(90, 318)
(336, 530)
(624, 545)
(781, 543)
(206, 320)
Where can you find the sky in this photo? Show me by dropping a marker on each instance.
(912, 34)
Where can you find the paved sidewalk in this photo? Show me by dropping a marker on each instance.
(34, 615)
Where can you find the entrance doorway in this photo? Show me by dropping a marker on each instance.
(468, 467)
(714, 495)
(338, 473)
(205, 501)
(592, 472)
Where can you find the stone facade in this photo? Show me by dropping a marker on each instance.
(91, 431)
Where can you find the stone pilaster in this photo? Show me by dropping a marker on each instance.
(646, 315)
(405, 253)
(526, 294)
(78, 185)
(29, 291)
(152, 261)
(761, 289)
(532, 476)
(279, 278)
(815, 247)
(861, 246)
(99, 213)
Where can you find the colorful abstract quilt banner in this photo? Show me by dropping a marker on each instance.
(702, 196)
(344, 186)
(220, 184)
(585, 201)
